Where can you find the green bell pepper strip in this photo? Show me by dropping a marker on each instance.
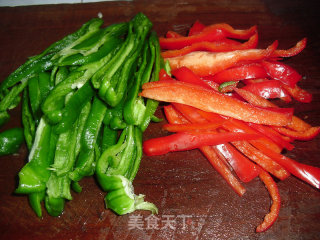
(67, 40)
(120, 197)
(151, 104)
(65, 152)
(79, 59)
(134, 107)
(52, 107)
(85, 163)
(122, 200)
(34, 175)
(61, 74)
(4, 117)
(59, 186)
(109, 137)
(35, 200)
(54, 206)
(105, 73)
(28, 122)
(74, 106)
(68, 144)
(92, 29)
(138, 145)
(34, 94)
(25, 72)
(12, 99)
(116, 121)
(11, 140)
(76, 187)
(121, 164)
(92, 41)
(113, 95)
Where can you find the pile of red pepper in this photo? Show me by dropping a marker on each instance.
(221, 95)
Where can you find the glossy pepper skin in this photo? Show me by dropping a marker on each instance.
(115, 170)
(35, 174)
(10, 141)
(18, 80)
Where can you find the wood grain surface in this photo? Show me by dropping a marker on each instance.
(193, 200)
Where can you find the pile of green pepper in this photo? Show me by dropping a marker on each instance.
(81, 113)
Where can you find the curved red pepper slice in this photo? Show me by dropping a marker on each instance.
(295, 124)
(182, 141)
(191, 127)
(298, 93)
(282, 72)
(248, 71)
(172, 34)
(273, 135)
(210, 33)
(292, 51)
(306, 135)
(257, 156)
(269, 89)
(204, 63)
(223, 45)
(173, 116)
(272, 216)
(212, 101)
(221, 168)
(243, 167)
(184, 74)
(305, 172)
(196, 28)
(189, 114)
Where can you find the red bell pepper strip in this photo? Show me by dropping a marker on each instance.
(191, 127)
(273, 135)
(204, 63)
(282, 72)
(196, 28)
(221, 168)
(262, 159)
(191, 115)
(298, 93)
(272, 216)
(182, 141)
(305, 172)
(292, 51)
(172, 34)
(269, 89)
(211, 101)
(306, 135)
(184, 74)
(210, 33)
(163, 75)
(224, 45)
(248, 71)
(295, 124)
(173, 116)
(243, 167)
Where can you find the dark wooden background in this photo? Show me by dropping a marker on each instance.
(180, 184)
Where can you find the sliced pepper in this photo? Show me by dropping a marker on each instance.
(247, 71)
(223, 45)
(212, 101)
(205, 63)
(272, 216)
(282, 72)
(196, 28)
(269, 89)
(210, 33)
(208, 151)
(186, 141)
